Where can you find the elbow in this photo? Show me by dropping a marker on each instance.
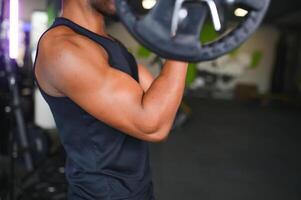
(150, 125)
(158, 132)
(155, 130)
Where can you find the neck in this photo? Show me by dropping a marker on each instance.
(82, 13)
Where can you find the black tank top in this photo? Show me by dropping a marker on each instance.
(102, 162)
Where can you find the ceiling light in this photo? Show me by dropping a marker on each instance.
(14, 29)
(239, 12)
(148, 4)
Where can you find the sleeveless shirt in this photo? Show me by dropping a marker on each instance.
(102, 163)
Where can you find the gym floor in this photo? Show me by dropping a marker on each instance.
(231, 151)
(225, 151)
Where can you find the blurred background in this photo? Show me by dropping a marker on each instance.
(237, 134)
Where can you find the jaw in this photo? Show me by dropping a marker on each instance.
(112, 7)
(105, 7)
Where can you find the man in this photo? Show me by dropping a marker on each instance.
(105, 106)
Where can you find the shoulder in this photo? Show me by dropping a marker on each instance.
(64, 55)
(61, 50)
(62, 43)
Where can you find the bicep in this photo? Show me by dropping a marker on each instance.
(108, 94)
(145, 77)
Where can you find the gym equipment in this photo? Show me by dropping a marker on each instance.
(27, 80)
(172, 28)
(38, 144)
(48, 182)
(17, 111)
(8, 51)
(17, 115)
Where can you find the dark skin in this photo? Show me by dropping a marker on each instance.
(74, 66)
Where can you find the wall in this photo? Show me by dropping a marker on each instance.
(28, 6)
(265, 40)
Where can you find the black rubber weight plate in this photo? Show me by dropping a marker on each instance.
(151, 36)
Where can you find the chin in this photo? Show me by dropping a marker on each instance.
(112, 8)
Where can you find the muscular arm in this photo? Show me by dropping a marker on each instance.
(80, 70)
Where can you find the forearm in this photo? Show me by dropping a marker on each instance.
(163, 98)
